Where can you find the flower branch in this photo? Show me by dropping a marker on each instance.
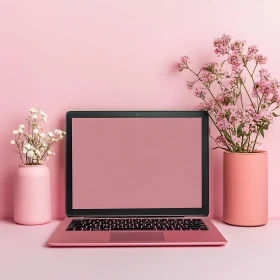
(33, 146)
(239, 126)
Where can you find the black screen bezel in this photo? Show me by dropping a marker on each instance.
(203, 211)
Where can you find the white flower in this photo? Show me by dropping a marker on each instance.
(30, 154)
(13, 142)
(57, 131)
(35, 130)
(38, 152)
(44, 119)
(34, 117)
(44, 145)
(49, 152)
(27, 146)
(48, 158)
(15, 132)
(34, 160)
(42, 149)
(60, 137)
(50, 134)
(22, 126)
(40, 162)
(20, 130)
(41, 112)
(32, 110)
(53, 153)
(24, 151)
(32, 148)
(42, 135)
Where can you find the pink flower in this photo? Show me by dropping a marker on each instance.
(265, 115)
(235, 60)
(184, 63)
(207, 77)
(221, 140)
(264, 75)
(235, 140)
(266, 88)
(185, 59)
(208, 72)
(263, 89)
(223, 124)
(199, 92)
(181, 66)
(211, 67)
(207, 105)
(221, 44)
(237, 46)
(224, 97)
(252, 51)
(260, 59)
(190, 85)
(246, 128)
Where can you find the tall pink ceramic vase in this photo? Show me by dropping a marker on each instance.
(245, 188)
(32, 195)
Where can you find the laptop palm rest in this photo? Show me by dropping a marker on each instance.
(136, 237)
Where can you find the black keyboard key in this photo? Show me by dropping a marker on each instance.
(136, 224)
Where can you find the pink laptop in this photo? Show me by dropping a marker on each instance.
(137, 179)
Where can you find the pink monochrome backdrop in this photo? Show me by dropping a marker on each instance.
(119, 55)
(136, 163)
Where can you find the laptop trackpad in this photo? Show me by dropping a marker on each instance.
(136, 237)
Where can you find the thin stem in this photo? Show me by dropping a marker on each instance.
(251, 75)
(249, 138)
(259, 104)
(218, 129)
(247, 93)
(19, 152)
(205, 86)
(254, 69)
(218, 146)
(258, 133)
(223, 63)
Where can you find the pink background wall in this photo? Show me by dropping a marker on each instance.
(105, 55)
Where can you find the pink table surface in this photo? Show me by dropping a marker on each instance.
(252, 253)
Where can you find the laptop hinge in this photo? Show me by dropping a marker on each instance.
(146, 216)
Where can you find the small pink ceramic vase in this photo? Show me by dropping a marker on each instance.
(245, 188)
(32, 195)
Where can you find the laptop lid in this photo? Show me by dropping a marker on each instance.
(145, 163)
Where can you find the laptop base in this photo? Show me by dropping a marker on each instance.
(131, 238)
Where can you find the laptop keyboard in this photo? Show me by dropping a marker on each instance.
(136, 224)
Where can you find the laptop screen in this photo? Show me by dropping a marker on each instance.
(121, 163)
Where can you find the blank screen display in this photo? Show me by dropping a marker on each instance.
(121, 163)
